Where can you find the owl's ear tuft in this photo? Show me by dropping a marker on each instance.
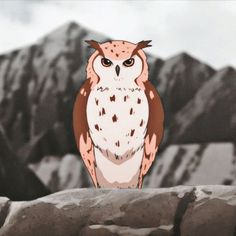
(94, 44)
(144, 44)
(140, 45)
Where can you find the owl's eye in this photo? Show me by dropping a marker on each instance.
(106, 62)
(129, 62)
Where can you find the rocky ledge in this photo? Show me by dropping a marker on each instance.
(182, 210)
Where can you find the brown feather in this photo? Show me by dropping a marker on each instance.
(141, 45)
(155, 128)
(80, 126)
(156, 113)
(94, 44)
(80, 123)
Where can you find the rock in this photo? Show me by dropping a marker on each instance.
(38, 85)
(17, 182)
(169, 211)
(59, 173)
(194, 164)
(4, 208)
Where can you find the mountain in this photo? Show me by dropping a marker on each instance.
(38, 88)
(179, 78)
(39, 83)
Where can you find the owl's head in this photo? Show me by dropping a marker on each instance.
(118, 62)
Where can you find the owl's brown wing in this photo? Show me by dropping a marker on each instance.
(154, 129)
(81, 129)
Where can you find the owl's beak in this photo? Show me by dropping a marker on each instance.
(117, 70)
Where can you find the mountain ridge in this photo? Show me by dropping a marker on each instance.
(55, 65)
(39, 83)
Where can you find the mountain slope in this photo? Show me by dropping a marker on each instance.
(194, 164)
(210, 115)
(39, 84)
(16, 181)
(179, 79)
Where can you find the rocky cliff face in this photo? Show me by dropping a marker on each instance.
(38, 85)
(200, 210)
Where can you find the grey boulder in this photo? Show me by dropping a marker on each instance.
(182, 210)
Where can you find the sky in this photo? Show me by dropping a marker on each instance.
(204, 29)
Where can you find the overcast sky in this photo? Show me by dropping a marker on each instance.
(205, 29)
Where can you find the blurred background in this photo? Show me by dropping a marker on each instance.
(42, 66)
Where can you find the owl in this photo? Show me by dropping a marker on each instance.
(118, 115)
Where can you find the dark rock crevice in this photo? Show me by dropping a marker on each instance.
(17, 182)
(188, 198)
(4, 210)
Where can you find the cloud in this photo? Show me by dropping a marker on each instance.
(206, 29)
(16, 10)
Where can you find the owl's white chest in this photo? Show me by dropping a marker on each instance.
(117, 118)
